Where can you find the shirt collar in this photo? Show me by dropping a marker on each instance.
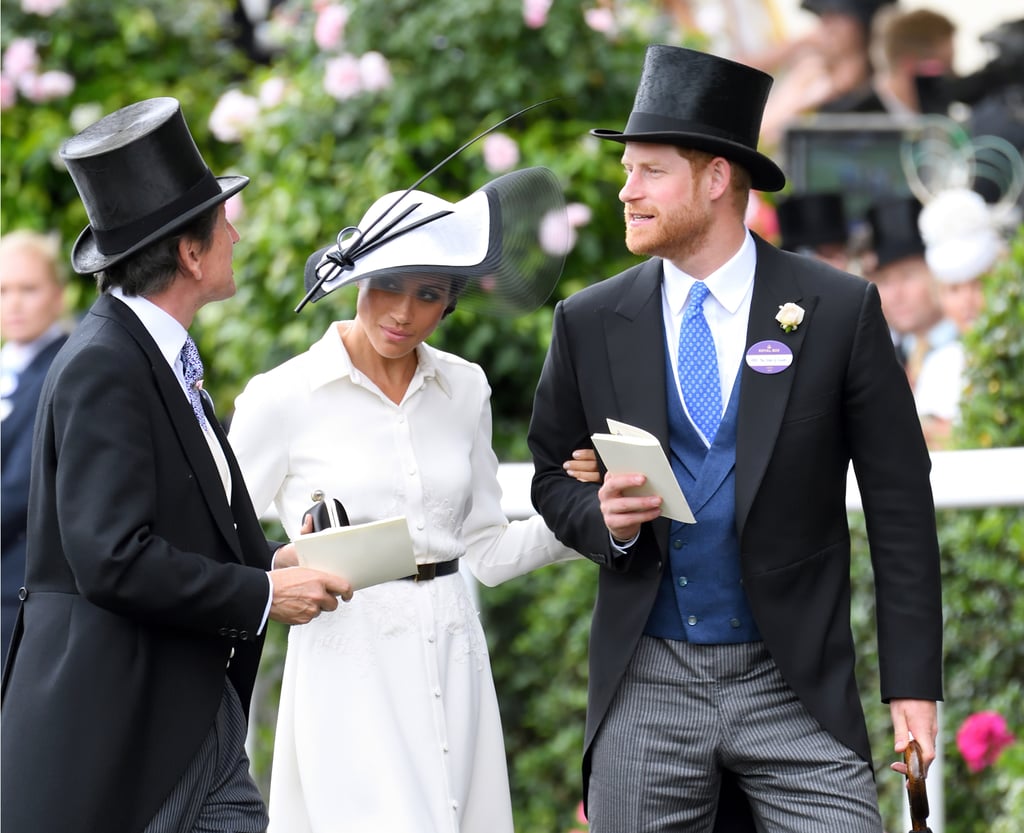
(729, 283)
(165, 329)
(331, 362)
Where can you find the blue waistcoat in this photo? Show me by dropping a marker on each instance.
(701, 596)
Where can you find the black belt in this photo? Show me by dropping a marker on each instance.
(426, 572)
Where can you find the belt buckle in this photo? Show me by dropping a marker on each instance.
(425, 572)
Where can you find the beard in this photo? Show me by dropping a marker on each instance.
(675, 234)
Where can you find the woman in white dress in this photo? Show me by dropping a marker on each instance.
(388, 717)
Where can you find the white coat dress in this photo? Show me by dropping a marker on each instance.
(388, 717)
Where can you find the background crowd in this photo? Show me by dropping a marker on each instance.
(323, 104)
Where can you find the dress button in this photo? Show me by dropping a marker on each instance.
(683, 581)
(691, 620)
(430, 638)
(734, 622)
(23, 593)
(437, 692)
(677, 544)
(233, 633)
(243, 635)
(223, 631)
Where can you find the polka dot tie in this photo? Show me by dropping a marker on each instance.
(192, 366)
(698, 366)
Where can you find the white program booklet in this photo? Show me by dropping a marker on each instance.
(627, 448)
(363, 555)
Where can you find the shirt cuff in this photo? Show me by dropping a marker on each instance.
(620, 547)
(266, 610)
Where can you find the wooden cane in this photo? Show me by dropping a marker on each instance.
(917, 792)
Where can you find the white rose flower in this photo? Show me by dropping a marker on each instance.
(790, 316)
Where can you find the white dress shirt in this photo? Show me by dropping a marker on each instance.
(726, 309)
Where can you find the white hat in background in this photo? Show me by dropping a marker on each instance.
(960, 235)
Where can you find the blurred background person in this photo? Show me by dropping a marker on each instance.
(814, 224)
(907, 289)
(912, 55)
(831, 61)
(32, 281)
(962, 246)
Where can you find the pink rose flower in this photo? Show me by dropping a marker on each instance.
(21, 58)
(981, 738)
(330, 26)
(272, 92)
(342, 79)
(374, 72)
(8, 92)
(501, 153)
(234, 208)
(233, 115)
(578, 214)
(43, 8)
(556, 236)
(535, 12)
(46, 87)
(600, 20)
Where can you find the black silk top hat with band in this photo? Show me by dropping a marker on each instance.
(700, 101)
(813, 219)
(863, 10)
(141, 177)
(502, 248)
(894, 230)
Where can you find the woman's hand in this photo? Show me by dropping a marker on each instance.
(583, 466)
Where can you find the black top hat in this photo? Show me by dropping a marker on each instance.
(701, 101)
(809, 220)
(894, 231)
(863, 10)
(140, 176)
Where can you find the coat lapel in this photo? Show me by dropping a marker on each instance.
(180, 414)
(635, 328)
(763, 396)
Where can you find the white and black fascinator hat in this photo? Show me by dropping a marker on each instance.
(502, 247)
(950, 172)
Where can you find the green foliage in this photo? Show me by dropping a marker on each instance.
(983, 568)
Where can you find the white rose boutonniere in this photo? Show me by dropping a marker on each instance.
(790, 316)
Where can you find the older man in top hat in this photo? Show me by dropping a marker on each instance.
(724, 646)
(148, 581)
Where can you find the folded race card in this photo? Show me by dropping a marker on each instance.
(626, 449)
(363, 555)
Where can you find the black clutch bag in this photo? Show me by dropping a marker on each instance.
(326, 512)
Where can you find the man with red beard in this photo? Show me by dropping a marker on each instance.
(721, 652)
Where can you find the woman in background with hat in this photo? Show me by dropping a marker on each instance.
(962, 246)
(388, 718)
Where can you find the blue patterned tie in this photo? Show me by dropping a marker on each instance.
(698, 365)
(193, 372)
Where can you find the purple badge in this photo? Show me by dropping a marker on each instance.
(769, 357)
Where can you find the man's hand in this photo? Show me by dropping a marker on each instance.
(917, 719)
(623, 515)
(301, 594)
